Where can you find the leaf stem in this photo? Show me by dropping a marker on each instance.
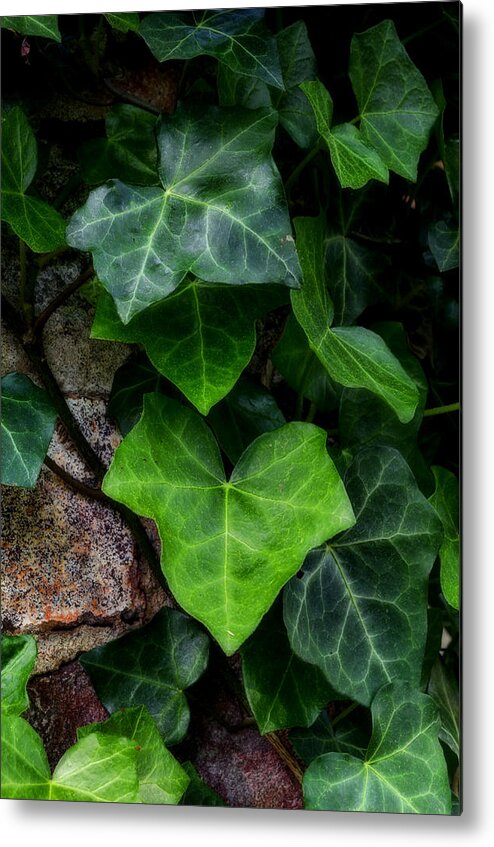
(441, 410)
(292, 179)
(311, 413)
(57, 301)
(344, 713)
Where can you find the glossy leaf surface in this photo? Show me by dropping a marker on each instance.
(443, 688)
(228, 546)
(354, 160)
(28, 422)
(129, 152)
(220, 214)
(360, 610)
(161, 778)
(152, 666)
(321, 737)
(34, 221)
(282, 690)
(404, 768)
(354, 275)
(45, 26)
(397, 110)
(446, 502)
(123, 21)
(353, 356)
(237, 37)
(18, 659)
(201, 337)
(25, 768)
(444, 244)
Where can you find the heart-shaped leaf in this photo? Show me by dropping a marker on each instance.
(33, 220)
(282, 690)
(151, 666)
(220, 215)
(353, 356)
(397, 110)
(161, 778)
(228, 546)
(18, 659)
(443, 688)
(201, 337)
(360, 610)
(404, 769)
(45, 26)
(129, 152)
(446, 502)
(28, 422)
(238, 37)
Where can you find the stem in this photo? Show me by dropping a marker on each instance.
(285, 755)
(343, 714)
(299, 406)
(292, 179)
(61, 298)
(311, 413)
(441, 410)
(80, 487)
(422, 31)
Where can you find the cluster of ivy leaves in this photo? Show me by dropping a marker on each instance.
(308, 519)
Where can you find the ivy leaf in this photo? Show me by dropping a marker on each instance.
(397, 110)
(301, 368)
(346, 736)
(237, 37)
(220, 215)
(247, 412)
(444, 244)
(446, 502)
(404, 769)
(151, 666)
(129, 151)
(432, 644)
(353, 356)
(353, 273)
(98, 768)
(198, 793)
(360, 609)
(33, 220)
(201, 337)
(18, 660)
(45, 26)
(282, 690)
(228, 546)
(28, 422)
(443, 689)
(161, 779)
(123, 21)
(132, 380)
(322, 105)
(355, 162)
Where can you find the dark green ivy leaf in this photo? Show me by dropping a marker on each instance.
(18, 659)
(152, 666)
(397, 110)
(282, 690)
(444, 244)
(198, 793)
(443, 688)
(131, 381)
(228, 546)
(446, 502)
(45, 26)
(347, 736)
(353, 273)
(123, 21)
(360, 609)
(238, 37)
(404, 769)
(28, 422)
(220, 215)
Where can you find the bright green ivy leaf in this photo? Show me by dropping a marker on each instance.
(198, 793)
(282, 690)
(247, 412)
(322, 105)
(446, 502)
(443, 688)
(353, 356)
(444, 244)
(397, 110)
(45, 26)
(347, 736)
(355, 161)
(221, 213)
(123, 21)
(301, 368)
(98, 768)
(238, 37)
(201, 337)
(404, 769)
(161, 779)
(18, 660)
(34, 221)
(228, 546)
(129, 152)
(28, 422)
(152, 666)
(360, 609)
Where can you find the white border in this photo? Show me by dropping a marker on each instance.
(43, 824)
